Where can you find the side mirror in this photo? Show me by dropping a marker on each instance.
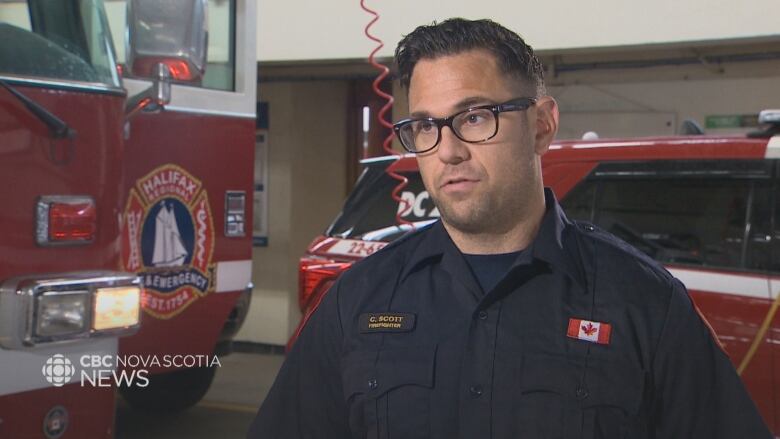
(169, 32)
(153, 99)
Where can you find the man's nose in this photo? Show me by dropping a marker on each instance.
(451, 149)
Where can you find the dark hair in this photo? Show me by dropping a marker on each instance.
(456, 35)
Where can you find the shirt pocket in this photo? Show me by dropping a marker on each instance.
(388, 392)
(559, 398)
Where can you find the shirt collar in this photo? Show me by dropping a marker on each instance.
(556, 241)
(553, 244)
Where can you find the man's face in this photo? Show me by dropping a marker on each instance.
(479, 187)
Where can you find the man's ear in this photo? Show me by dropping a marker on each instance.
(546, 123)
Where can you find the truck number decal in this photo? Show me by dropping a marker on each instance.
(353, 247)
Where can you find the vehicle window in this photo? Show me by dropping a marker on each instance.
(220, 55)
(370, 211)
(580, 202)
(220, 58)
(683, 217)
(761, 230)
(55, 39)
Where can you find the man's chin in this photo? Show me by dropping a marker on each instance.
(468, 214)
(465, 222)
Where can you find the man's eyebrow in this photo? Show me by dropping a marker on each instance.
(463, 104)
(473, 101)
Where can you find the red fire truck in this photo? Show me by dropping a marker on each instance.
(707, 207)
(125, 187)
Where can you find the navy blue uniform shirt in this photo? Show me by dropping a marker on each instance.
(405, 345)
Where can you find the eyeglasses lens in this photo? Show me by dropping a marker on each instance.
(475, 125)
(472, 126)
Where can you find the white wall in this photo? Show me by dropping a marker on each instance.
(316, 29)
(15, 14)
(306, 188)
(658, 108)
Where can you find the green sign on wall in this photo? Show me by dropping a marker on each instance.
(731, 121)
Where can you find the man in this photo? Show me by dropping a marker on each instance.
(504, 319)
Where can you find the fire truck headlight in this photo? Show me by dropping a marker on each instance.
(116, 308)
(61, 313)
(68, 308)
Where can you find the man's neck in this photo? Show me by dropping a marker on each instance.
(515, 238)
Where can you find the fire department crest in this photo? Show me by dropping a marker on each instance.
(168, 239)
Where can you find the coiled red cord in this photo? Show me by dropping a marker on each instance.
(387, 144)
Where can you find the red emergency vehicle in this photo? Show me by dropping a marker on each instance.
(707, 207)
(125, 188)
(187, 195)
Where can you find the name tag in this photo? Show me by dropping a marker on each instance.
(386, 322)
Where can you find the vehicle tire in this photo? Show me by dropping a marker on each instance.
(170, 392)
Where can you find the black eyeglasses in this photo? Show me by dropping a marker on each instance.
(473, 125)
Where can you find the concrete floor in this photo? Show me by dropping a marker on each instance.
(225, 412)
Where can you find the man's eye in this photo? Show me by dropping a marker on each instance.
(475, 118)
(425, 127)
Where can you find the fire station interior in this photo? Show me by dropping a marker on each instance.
(315, 111)
(616, 71)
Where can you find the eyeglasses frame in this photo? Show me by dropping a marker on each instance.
(517, 104)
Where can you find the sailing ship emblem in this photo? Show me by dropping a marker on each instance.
(168, 239)
(168, 246)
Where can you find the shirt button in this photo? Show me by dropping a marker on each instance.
(483, 315)
(372, 384)
(475, 391)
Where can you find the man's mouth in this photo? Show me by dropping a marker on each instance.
(458, 184)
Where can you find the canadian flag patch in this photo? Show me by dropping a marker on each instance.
(594, 332)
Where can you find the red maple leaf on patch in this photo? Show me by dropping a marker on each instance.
(589, 330)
